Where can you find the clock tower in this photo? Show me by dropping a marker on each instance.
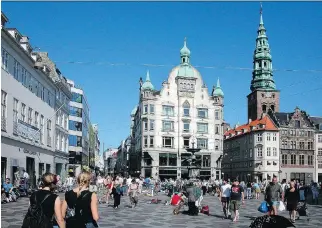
(264, 95)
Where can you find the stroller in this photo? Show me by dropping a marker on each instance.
(302, 210)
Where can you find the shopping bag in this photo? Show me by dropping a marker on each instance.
(281, 207)
(263, 207)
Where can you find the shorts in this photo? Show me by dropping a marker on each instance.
(257, 190)
(225, 199)
(234, 205)
(273, 203)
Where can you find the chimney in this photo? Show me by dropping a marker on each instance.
(249, 121)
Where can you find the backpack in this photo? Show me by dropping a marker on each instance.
(79, 218)
(205, 210)
(35, 217)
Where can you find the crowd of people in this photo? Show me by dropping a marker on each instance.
(83, 193)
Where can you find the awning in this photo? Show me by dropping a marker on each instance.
(147, 156)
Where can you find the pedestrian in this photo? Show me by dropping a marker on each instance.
(249, 190)
(25, 176)
(236, 197)
(81, 205)
(257, 190)
(133, 193)
(70, 180)
(193, 210)
(117, 192)
(224, 196)
(273, 194)
(49, 203)
(292, 198)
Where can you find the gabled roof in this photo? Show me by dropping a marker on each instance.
(263, 124)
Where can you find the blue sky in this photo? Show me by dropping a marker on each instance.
(219, 34)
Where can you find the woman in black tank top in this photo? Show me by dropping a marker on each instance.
(51, 207)
(80, 205)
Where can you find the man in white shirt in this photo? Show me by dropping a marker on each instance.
(225, 191)
(25, 176)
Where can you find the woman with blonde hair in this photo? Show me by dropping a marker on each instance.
(80, 205)
(49, 202)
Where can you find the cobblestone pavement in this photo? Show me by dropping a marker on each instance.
(160, 215)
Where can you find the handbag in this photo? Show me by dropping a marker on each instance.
(263, 207)
(281, 207)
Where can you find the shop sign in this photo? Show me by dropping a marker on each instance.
(28, 131)
(26, 151)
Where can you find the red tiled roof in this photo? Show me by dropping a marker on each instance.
(267, 123)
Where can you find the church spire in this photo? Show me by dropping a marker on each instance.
(185, 53)
(262, 68)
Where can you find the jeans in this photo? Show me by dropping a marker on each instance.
(249, 193)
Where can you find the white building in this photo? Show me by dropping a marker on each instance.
(317, 121)
(63, 96)
(27, 109)
(251, 151)
(78, 129)
(180, 115)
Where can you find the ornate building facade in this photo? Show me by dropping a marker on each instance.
(297, 140)
(181, 115)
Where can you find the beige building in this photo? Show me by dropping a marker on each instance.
(251, 151)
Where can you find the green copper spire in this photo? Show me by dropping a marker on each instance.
(147, 85)
(185, 68)
(217, 91)
(262, 68)
(185, 52)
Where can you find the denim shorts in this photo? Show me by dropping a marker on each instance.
(273, 203)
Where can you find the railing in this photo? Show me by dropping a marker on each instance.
(3, 123)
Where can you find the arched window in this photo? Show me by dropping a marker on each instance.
(186, 108)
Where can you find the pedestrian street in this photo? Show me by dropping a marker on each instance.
(160, 215)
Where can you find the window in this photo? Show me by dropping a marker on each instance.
(145, 125)
(202, 113)
(250, 153)
(284, 159)
(23, 112)
(145, 109)
(320, 138)
(75, 125)
(152, 125)
(57, 141)
(217, 132)
(30, 116)
(301, 159)
(310, 145)
(167, 142)
(16, 70)
(77, 97)
(310, 160)
(48, 132)
(302, 145)
(260, 151)
(57, 117)
(186, 108)
(274, 151)
(167, 110)
(202, 127)
(75, 111)
(65, 121)
(75, 140)
(259, 137)
(293, 159)
(186, 126)
(319, 151)
(217, 144)
(268, 137)
(5, 58)
(320, 164)
(151, 141)
(216, 115)
(36, 119)
(15, 110)
(151, 109)
(206, 161)
(167, 125)
(293, 145)
(3, 104)
(163, 159)
(268, 152)
(42, 129)
(145, 141)
(186, 142)
(24, 76)
(202, 143)
(297, 124)
(274, 136)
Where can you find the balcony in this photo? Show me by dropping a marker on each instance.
(3, 123)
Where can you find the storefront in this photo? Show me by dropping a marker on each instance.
(21, 156)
